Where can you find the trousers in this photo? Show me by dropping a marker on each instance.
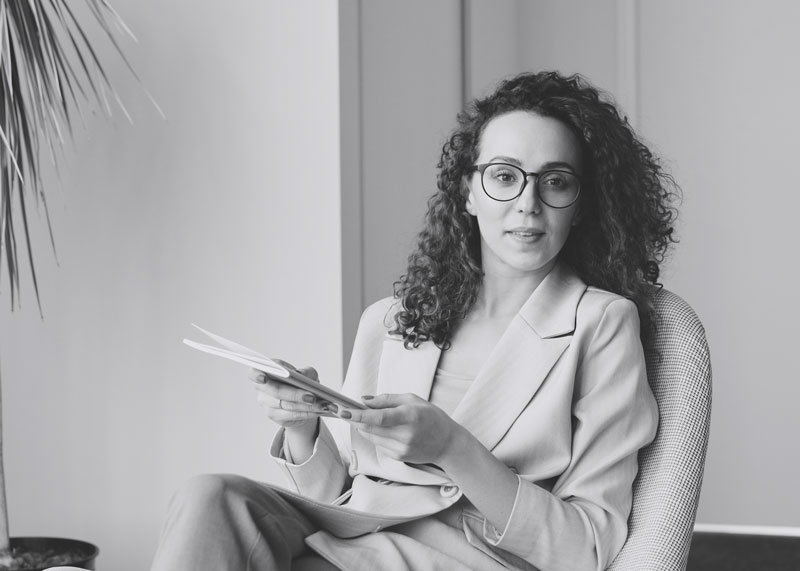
(224, 522)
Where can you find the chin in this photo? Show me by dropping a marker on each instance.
(532, 267)
(539, 266)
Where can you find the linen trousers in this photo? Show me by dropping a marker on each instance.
(224, 522)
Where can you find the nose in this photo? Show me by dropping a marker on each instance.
(528, 200)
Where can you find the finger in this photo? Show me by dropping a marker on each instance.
(388, 400)
(285, 364)
(308, 403)
(286, 411)
(268, 401)
(280, 390)
(256, 376)
(260, 377)
(324, 406)
(289, 416)
(387, 417)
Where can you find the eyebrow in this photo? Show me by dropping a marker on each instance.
(505, 159)
(545, 166)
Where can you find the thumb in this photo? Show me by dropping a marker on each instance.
(388, 400)
(309, 372)
(285, 364)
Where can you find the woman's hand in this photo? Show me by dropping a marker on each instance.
(406, 427)
(296, 410)
(286, 405)
(410, 429)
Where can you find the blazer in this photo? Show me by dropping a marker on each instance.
(562, 400)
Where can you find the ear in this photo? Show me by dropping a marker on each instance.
(470, 204)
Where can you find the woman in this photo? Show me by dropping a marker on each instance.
(504, 382)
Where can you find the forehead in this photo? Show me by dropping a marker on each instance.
(531, 139)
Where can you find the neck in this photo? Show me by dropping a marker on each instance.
(502, 297)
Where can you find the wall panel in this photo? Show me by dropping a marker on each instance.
(411, 92)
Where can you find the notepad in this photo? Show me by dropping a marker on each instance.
(245, 356)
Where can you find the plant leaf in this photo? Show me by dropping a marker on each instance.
(49, 69)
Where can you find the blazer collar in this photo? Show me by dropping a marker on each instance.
(513, 372)
(550, 310)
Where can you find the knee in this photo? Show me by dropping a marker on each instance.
(207, 492)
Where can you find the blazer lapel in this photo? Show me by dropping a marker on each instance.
(522, 359)
(403, 371)
(407, 371)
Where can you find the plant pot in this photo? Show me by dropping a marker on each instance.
(81, 553)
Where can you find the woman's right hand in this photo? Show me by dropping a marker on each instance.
(286, 405)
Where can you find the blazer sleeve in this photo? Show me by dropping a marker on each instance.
(322, 477)
(582, 523)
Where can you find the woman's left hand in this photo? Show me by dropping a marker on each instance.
(406, 427)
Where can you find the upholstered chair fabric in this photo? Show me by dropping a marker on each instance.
(666, 491)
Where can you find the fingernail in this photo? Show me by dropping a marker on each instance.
(367, 397)
(329, 407)
(308, 399)
(345, 414)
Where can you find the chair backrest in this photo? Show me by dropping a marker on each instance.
(667, 488)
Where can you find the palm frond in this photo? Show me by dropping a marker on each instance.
(49, 71)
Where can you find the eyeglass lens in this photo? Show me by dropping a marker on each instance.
(555, 188)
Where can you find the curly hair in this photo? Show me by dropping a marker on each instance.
(626, 203)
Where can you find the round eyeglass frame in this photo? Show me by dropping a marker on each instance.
(537, 175)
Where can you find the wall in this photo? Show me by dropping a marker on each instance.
(512, 35)
(721, 104)
(227, 214)
(411, 92)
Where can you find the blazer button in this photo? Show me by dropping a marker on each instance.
(448, 491)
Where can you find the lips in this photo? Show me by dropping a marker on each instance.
(525, 232)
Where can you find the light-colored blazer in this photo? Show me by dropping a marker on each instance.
(562, 400)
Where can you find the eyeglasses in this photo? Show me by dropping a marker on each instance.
(504, 182)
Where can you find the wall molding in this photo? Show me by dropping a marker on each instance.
(782, 531)
(466, 63)
(351, 154)
(628, 51)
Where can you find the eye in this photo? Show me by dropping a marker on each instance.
(502, 174)
(556, 180)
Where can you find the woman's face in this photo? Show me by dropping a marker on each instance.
(523, 236)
